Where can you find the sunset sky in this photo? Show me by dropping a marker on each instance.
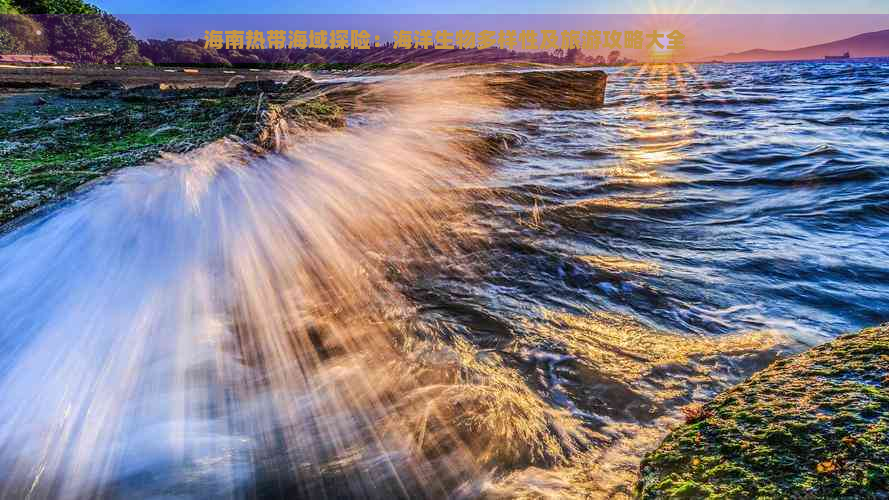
(712, 28)
(496, 7)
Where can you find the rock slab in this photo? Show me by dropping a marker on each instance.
(815, 425)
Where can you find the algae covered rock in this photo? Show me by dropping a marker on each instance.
(812, 426)
(50, 150)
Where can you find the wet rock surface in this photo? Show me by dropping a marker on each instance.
(812, 426)
(76, 136)
(110, 85)
(257, 87)
(550, 89)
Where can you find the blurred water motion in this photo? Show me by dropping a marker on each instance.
(219, 324)
(374, 313)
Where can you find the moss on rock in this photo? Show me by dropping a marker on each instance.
(57, 141)
(815, 425)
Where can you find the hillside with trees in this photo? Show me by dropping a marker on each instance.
(77, 32)
(192, 52)
(71, 30)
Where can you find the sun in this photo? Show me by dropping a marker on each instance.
(660, 53)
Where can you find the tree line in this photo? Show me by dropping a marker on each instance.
(48, 26)
(94, 36)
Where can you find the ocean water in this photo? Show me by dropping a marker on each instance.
(379, 312)
(756, 191)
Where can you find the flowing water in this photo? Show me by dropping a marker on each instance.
(382, 311)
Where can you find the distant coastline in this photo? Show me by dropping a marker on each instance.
(864, 45)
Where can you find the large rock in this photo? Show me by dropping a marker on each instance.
(558, 89)
(108, 85)
(812, 426)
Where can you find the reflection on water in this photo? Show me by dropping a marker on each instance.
(648, 254)
(373, 314)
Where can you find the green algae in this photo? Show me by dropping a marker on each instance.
(814, 425)
(53, 142)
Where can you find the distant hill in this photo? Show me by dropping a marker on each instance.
(874, 44)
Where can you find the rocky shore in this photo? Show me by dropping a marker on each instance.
(58, 135)
(54, 141)
(814, 425)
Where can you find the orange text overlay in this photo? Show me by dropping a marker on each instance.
(442, 39)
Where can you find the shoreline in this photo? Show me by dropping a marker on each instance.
(816, 423)
(58, 140)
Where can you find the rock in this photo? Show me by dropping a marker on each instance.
(814, 425)
(96, 89)
(271, 126)
(151, 93)
(85, 94)
(153, 87)
(298, 84)
(109, 85)
(27, 84)
(63, 147)
(256, 87)
(560, 89)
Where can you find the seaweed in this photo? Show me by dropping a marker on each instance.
(55, 142)
(814, 425)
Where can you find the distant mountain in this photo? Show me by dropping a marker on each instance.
(874, 44)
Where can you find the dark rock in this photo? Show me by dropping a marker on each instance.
(107, 85)
(151, 93)
(153, 87)
(565, 89)
(96, 90)
(15, 84)
(256, 87)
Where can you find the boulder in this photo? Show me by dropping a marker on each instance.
(558, 89)
(815, 425)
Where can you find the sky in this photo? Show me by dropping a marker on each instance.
(713, 27)
(494, 7)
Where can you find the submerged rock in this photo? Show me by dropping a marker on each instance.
(815, 425)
